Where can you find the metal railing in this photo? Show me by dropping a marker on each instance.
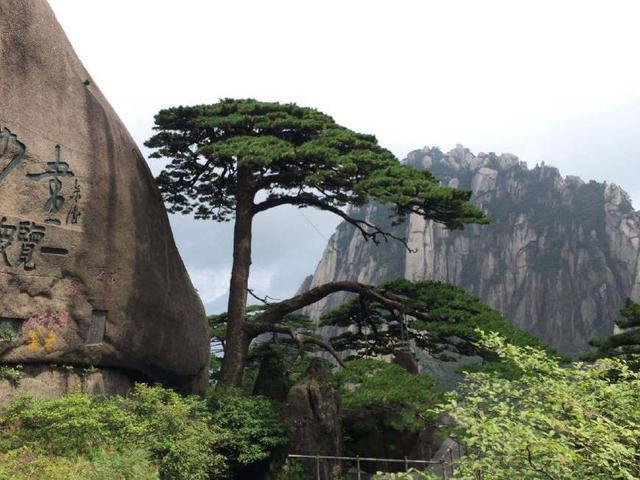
(444, 466)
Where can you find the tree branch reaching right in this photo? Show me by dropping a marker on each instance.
(235, 159)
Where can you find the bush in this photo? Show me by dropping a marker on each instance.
(67, 425)
(179, 433)
(404, 400)
(23, 464)
(253, 424)
(154, 433)
(551, 420)
(98, 434)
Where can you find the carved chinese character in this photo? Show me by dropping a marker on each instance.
(10, 148)
(73, 215)
(7, 235)
(30, 235)
(56, 169)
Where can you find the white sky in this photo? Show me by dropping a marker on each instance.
(554, 81)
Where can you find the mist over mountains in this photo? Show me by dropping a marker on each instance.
(558, 259)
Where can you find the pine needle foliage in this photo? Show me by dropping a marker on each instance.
(292, 155)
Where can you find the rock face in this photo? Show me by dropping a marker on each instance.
(43, 381)
(312, 413)
(272, 381)
(89, 272)
(370, 437)
(558, 259)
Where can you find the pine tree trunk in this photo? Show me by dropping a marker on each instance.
(237, 341)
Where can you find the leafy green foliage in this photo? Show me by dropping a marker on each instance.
(179, 432)
(402, 399)
(7, 335)
(253, 421)
(174, 430)
(131, 464)
(293, 470)
(552, 421)
(12, 373)
(154, 430)
(287, 150)
(451, 321)
(411, 474)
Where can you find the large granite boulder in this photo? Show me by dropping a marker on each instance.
(44, 381)
(89, 272)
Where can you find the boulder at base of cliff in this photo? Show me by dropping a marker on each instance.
(370, 436)
(312, 412)
(272, 381)
(89, 271)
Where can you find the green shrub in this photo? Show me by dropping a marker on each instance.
(402, 399)
(178, 432)
(174, 432)
(554, 420)
(24, 464)
(67, 425)
(154, 433)
(411, 474)
(12, 373)
(133, 464)
(253, 424)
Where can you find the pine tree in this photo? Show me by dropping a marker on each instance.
(237, 158)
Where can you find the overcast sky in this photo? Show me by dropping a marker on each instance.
(553, 81)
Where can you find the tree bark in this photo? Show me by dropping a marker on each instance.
(237, 342)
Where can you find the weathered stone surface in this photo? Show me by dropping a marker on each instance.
(89, 272)
(272, 381)
(45, 382)
(312, 413)
(370, 437)
(558, 259)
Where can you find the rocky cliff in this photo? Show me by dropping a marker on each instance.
(558, 259)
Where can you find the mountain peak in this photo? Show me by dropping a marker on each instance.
(558, 259)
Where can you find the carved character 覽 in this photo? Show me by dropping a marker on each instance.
(7, 236)
(30, 235)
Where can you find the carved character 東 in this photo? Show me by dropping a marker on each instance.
(55, 170)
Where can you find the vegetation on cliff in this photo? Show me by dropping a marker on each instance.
(625, 344)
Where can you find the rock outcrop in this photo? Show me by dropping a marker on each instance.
(558, 259)
(312, 413)
(89, 271)
(44, 381)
